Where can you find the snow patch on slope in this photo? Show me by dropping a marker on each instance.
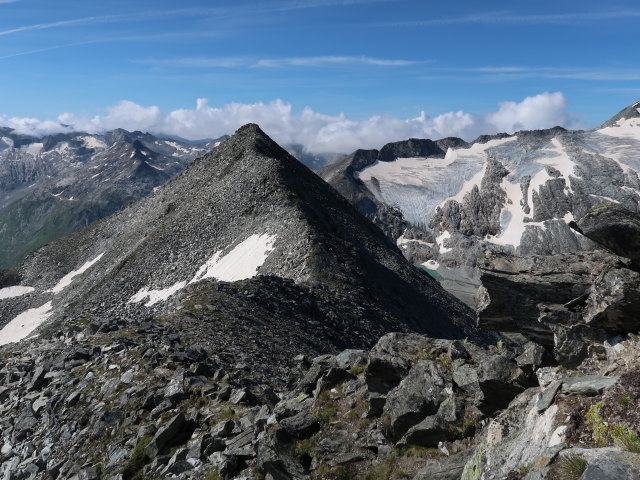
(156, 296)
(626, 128)
(68, 278)
(431, 264)
(512, 215)
(25, 323)
(440, 241)
(93, 142)
(240, 263)
(403, 242)
(177, 146)
(33, 149)
(15, 291)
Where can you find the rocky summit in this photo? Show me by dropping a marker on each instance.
(247, 321)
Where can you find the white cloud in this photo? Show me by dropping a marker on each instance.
(541, 111)
(316, 131)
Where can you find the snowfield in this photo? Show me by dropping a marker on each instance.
(33, 149)
(93, 142)
(240, 263)
(25, 323)
(156, 296)
(416, 186)
(624, 129)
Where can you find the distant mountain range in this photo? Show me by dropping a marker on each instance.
(54, 185)
(445, 202)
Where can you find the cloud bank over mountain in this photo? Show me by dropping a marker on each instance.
(316, 131)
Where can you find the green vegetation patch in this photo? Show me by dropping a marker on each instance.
(133, 469)
(571, 467)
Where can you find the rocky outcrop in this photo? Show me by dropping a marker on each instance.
(567, 302)
(554, 428)
(614, 227)
(145, 399)
(514, 288)
(412, 404)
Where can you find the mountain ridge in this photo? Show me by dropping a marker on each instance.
(253, 207)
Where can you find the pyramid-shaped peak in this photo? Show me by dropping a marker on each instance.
(250, 129)
(251, 149)
(252, 137)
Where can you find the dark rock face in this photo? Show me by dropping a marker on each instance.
(614, 301)
(614, 227)
(418, 395)
(514, 287)
(567, 302)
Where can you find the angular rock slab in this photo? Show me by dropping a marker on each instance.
(587, 384)
(614, 227)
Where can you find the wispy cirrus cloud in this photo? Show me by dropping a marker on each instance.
(45, 49)
(196, 62)
(510, 73)
(503, 17)
(64, 23)
(221, 12)
(323, 61)
(248, 62)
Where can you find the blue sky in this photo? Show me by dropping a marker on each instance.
(362, 58)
